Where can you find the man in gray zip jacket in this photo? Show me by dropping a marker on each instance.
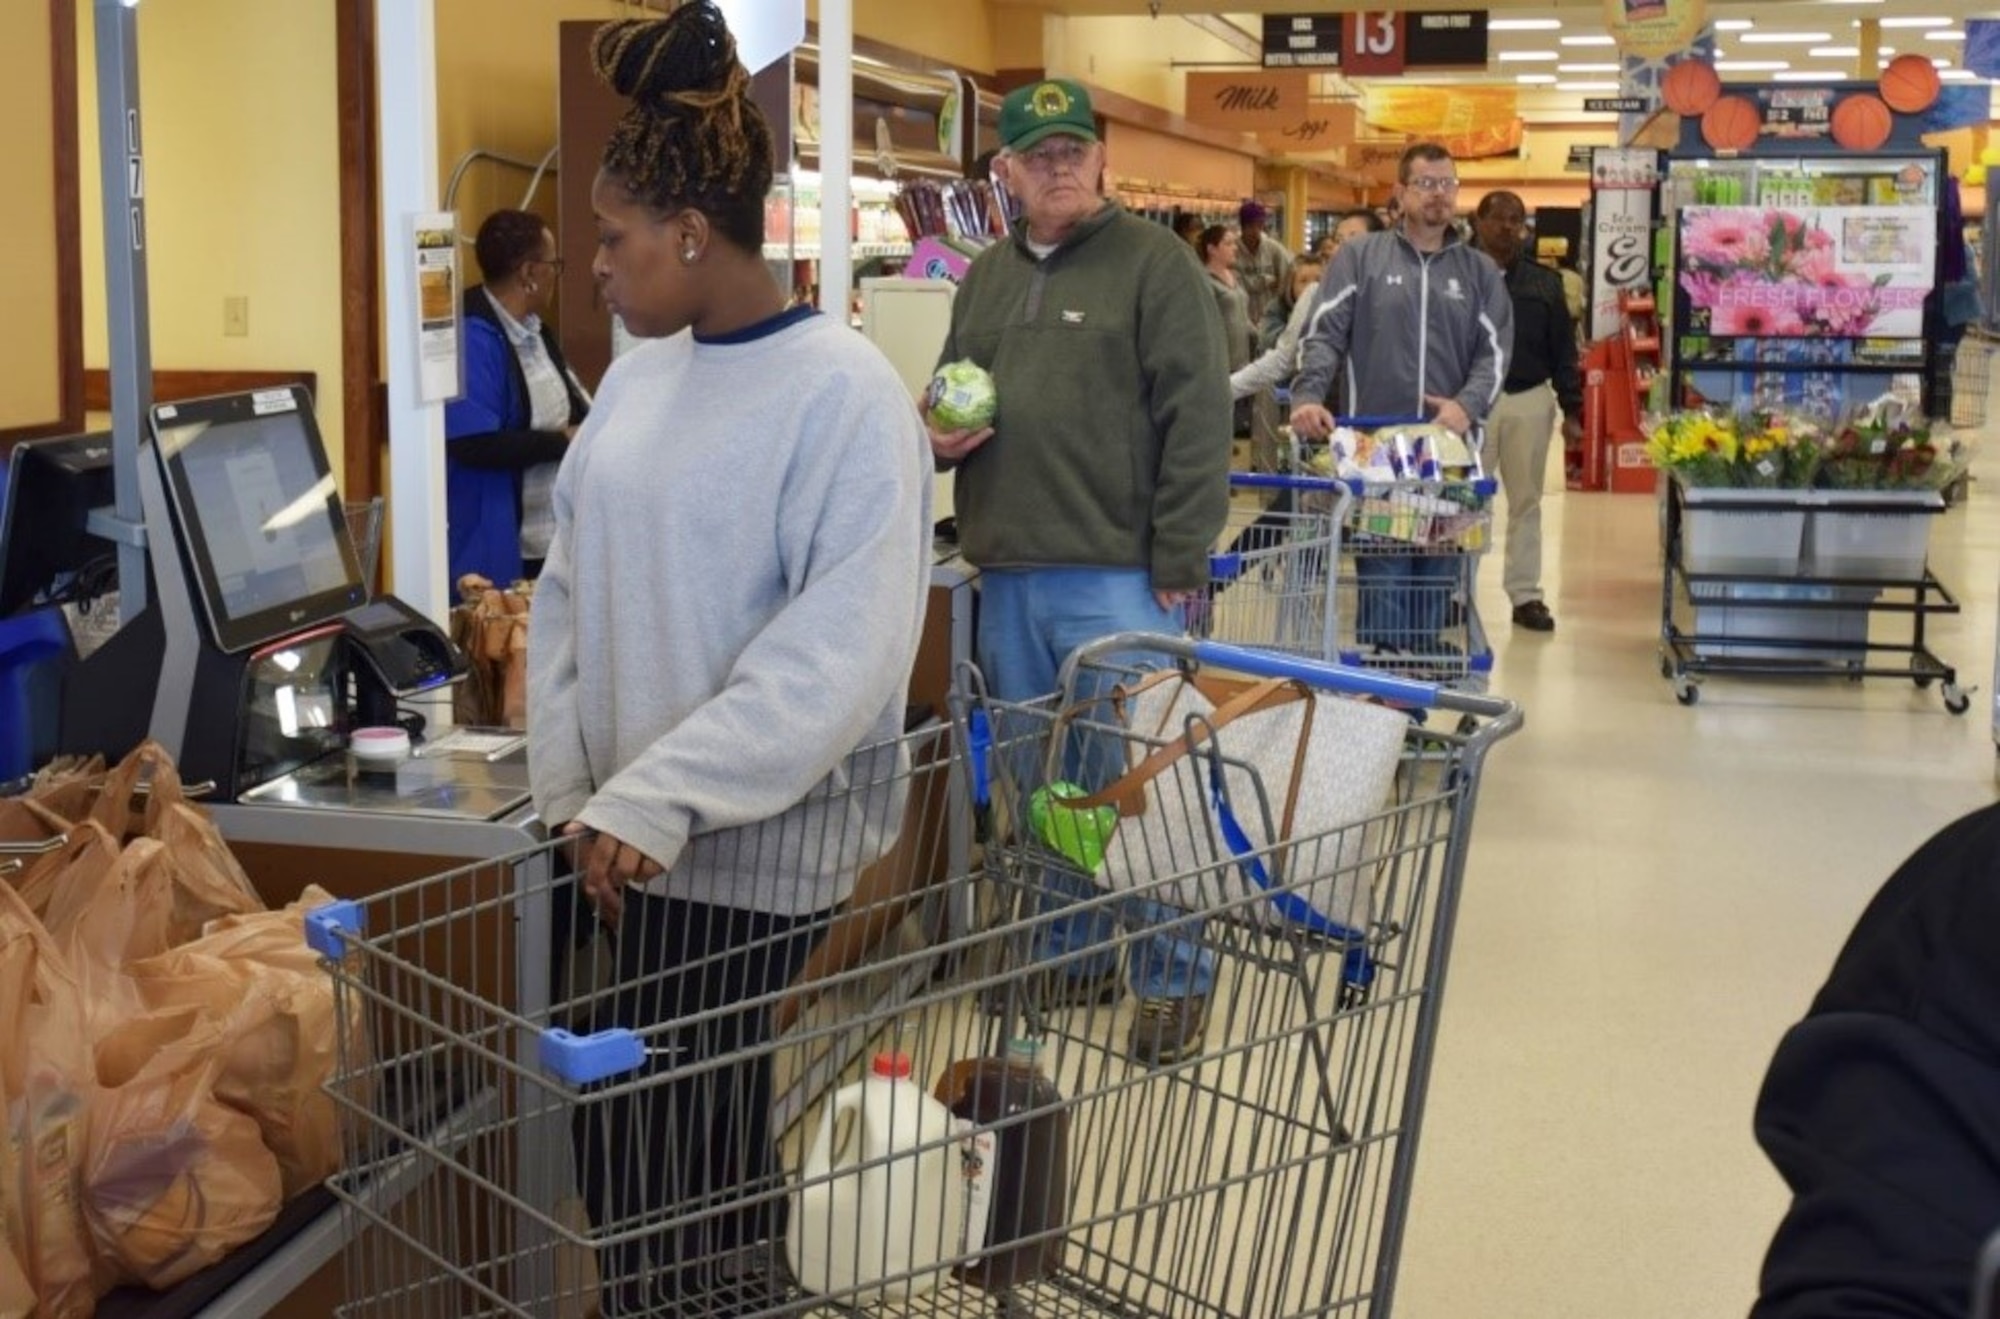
(1416, 323)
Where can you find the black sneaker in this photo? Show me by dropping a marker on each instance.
(1534, 616)
(1167, 1030)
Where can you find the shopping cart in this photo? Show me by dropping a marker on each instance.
(1271, 579)
(489, 1131)
(1407, 594)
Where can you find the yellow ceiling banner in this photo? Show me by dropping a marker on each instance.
(1652, 29)
(1467, 121)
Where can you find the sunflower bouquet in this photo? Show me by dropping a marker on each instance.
(1699, 448)
(1761, 451)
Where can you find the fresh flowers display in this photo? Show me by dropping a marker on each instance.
(1763, 451)
(1765, 272)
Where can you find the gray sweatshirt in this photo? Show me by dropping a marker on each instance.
(729, 611)
(1405, 324)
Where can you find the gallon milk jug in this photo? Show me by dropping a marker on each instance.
(857, 1220)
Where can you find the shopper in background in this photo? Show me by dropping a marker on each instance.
(1411, 322)
(507, 431)
(1881, 1109)
(1217, 249)
(1263, 266)
(1541, 376)
(1280, 362)
(1188, 225)
(729, 614)
(1093, 500)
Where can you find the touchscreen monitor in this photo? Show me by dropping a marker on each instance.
(258, 513)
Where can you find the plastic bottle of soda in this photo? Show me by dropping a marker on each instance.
(1029, 1191)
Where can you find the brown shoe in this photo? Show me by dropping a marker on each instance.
(1167, 1030)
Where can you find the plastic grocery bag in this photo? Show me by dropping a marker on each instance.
(278, 1064)
(45, 1082)
(81, 862)
(174, 1179)
(17, 1294)
(149, 765)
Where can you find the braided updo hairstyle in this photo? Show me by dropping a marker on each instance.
(694, 138)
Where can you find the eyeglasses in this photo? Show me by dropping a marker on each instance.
(1432, 183)
(1065, 155)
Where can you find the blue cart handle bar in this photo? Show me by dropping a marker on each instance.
(1340, 678)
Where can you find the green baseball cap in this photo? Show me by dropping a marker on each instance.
(1044, 109)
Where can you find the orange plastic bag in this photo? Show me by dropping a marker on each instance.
(17, 1294)
(279, 1063)
(45, 1084)
(151, 765)
(173, 1179)
(82, 862)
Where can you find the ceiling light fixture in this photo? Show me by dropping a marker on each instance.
(1834, 52)
(1733, 25)
(1751, 66)
(1586, 68)
(1948, 34)
(1912, 22)
(1527, 56)
(1808, 75)
(1782, 38)
(1535, 79)
(1588, 85)
(1534, 24)
(1598, 40)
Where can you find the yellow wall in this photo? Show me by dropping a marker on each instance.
(242, 189)
(957, 32)
(30, 366)
(1133, 56)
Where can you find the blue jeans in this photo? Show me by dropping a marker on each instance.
(1029, 622)
(1403, 600)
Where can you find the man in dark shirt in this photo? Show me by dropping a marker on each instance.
(1541, 374)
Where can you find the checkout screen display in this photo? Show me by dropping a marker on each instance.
(265, 529)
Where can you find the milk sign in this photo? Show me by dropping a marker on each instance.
(1621, 237)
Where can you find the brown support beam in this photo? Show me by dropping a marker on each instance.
(362, 404)
(69, 229)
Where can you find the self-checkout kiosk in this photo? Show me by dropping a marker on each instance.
(260, 650)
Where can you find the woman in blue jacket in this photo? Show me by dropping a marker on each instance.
(506, 433)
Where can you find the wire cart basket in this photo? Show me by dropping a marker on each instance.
(515, 1152)
(1271, 582)
(1407, 592)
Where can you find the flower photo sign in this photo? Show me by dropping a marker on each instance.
(1807, 272)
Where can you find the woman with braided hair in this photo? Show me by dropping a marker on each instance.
(728, 615)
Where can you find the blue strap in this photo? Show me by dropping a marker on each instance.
(1357, 967)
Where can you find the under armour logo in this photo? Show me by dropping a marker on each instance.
(1392, 279)
(1451, 288)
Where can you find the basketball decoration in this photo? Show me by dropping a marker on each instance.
(1861, 122)
(1731, 123)
(1690, 87)
(1910, 84)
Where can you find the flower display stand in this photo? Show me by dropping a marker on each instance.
(1787, 582)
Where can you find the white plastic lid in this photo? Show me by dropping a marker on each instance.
(379, 745)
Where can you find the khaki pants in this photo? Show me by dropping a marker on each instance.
(1519, 430)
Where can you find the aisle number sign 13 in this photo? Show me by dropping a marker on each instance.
(1373, 44)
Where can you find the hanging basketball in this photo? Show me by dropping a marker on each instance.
(1690, 87)
(1910, 84)
(1731, 123)
(1861, 122)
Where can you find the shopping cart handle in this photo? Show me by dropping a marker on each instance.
(330, 925)
(586, 1059)
(1374, 423)
(1325, 677)
(1279, 481)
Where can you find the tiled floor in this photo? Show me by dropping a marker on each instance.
(1654, 894)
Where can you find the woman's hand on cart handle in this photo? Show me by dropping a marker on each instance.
(952, 446)
(608, 865)
(1312, 421)
(1450, 414)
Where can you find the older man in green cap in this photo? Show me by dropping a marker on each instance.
(1093, 500)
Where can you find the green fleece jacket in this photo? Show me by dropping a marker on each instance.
(1111, 447)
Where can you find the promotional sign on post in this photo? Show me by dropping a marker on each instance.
(1622, 181)
(1846, 272)
(436, 274)
(1654, 28)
